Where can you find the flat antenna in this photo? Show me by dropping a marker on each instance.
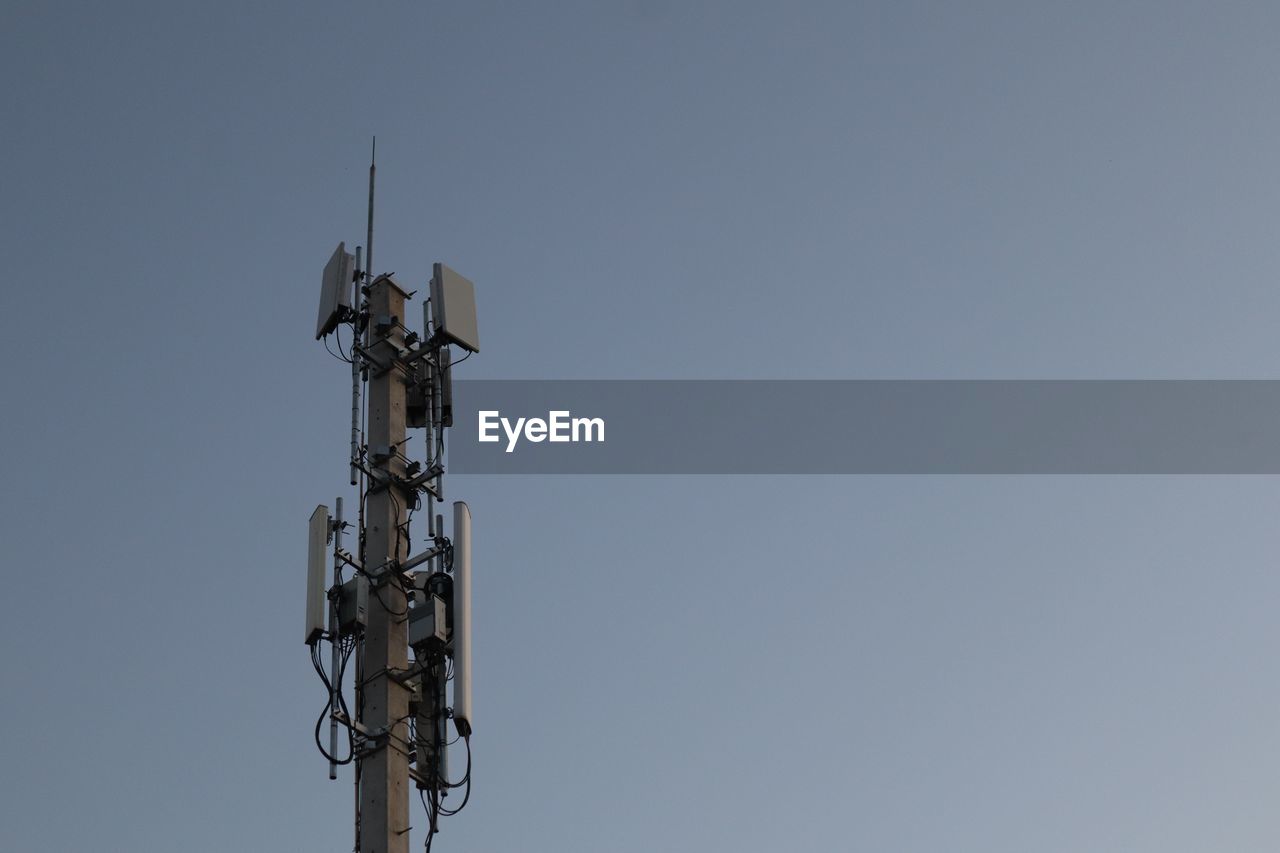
(368, 243)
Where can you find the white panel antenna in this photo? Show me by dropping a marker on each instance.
(337, 283)
(462, 618)
(317, 548)
(453, 303)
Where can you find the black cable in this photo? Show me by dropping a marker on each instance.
(334, 354)
(351, 751)
(373, 581)
(377, 593)
(466, 780)
(401, 529)
(345, 655)
(432, 818)
(338, 339)
(377, 590)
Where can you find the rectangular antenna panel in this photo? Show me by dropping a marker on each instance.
(336, 286)
(462, 618)
(453, 303)
(317, 548)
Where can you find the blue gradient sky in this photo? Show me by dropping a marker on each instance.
(664, 190)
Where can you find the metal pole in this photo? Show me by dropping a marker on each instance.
(335, 631)
(359, 712)
(384, 775)
(428, 365)
(441, 360)
(355, 375)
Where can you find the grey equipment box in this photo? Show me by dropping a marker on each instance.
(427, 628)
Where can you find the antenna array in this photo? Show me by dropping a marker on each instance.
(404, 617)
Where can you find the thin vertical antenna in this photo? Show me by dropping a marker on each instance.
(368, 243)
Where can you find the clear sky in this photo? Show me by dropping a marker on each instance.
(658, 190)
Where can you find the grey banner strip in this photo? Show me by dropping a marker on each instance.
(867, 427)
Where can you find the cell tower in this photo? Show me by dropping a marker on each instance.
(404, 617)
